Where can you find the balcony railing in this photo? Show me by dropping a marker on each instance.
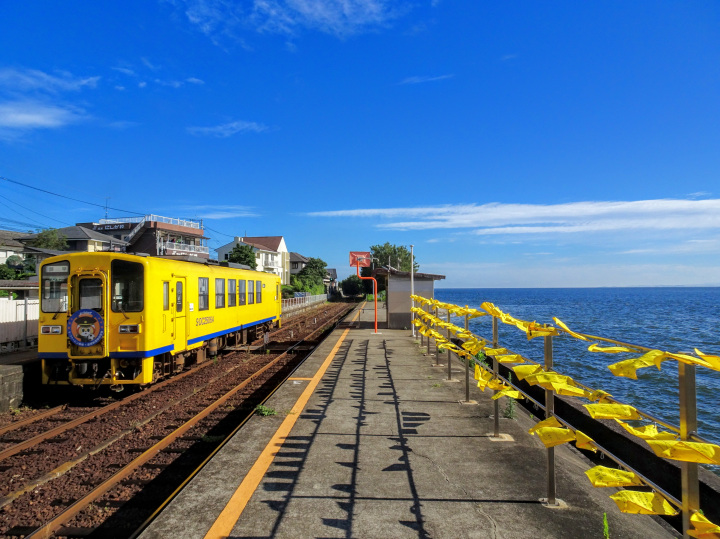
(157, 218)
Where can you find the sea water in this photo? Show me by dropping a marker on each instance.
(669, 319)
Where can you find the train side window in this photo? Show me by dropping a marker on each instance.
(241, 291)
(258, 292)
(203, 294)
(232, 297)
(127, 286)
(219, 293)
(251, 292)
(178, 297)
(166, 296)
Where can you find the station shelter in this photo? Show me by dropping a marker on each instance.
(397, 284)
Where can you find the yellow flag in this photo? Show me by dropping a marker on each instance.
(643, 503)
(549, 422)
(648, 432)
(567, 330)
(552, 436)
(496, 385)
(629, 367)
(534, 329)
(610, 349)
(568, 390)
(491, 309)
(703, 528)
(510, 358)
(474, 313)
(612, 411)
(523, 371)
(495, 351)
(583, 441)
(599, 395)
(712, 361)
(686, 451)
(477, 372)
(508, 393)
(546, 378)
(601, 476)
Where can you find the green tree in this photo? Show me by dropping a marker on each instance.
(6, 273)
(50, 238)
(243, 254)
(352, 286)
(310, 278)
(398, 256)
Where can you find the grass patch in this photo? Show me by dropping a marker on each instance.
(264, 410)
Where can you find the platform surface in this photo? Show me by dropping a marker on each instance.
(383, 449)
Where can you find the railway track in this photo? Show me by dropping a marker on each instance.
(93, 474)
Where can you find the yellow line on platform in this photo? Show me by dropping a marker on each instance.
(295, 379)
(222, 527)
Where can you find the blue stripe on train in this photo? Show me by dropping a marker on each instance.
(230, 330)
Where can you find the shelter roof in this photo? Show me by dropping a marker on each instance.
(15, 284)
(406, 274)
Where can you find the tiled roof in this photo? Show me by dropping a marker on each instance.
(9, 238)
(74, 233)
(266, 243)
(297, 257)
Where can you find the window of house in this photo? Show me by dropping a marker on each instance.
(203, 294)
(258, 292)
(219, 293)
(232, 298)
(251, 292)
(241, 291)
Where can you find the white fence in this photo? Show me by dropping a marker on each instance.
(292, 305)
(18, 323)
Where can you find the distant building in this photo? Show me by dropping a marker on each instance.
(156, 235)
(398, 285)
(79, 239)
(297, 263)
(270, 252)
(331, 281)
(10, 244)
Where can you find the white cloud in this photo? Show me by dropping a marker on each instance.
(24, 80)
(228, 129)
(142, 84)
(28, 115)
(126, 71)
(193, 80)
(219, 212)
(535, 219)
(221, 18)
(170, 83)
(420, 80)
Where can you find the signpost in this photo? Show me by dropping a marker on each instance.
(363, 259)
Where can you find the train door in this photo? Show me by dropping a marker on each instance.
(179, 318)
(86, 325)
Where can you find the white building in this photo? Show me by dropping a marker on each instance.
(271, 254)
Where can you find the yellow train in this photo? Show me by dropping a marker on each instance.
(116, 318)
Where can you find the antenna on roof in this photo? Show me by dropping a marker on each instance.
(106, 206)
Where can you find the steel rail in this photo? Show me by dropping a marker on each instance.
(23, 423)
(35, 440)
(73, 510)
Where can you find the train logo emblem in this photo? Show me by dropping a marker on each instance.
(85, 328)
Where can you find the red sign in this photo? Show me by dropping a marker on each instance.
(360, 258)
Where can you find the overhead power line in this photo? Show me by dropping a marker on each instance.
(68, 198)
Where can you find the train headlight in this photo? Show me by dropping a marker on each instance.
(130, 328)
(51, 330)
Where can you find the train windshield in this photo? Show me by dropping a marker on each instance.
(54, 287)
(91, 294)
(127, 286)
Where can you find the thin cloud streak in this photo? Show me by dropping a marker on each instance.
(25, 115)
(33, 79)
(421, 80)
(228, 129)
(524, 219)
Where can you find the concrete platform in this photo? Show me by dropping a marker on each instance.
(370, 441)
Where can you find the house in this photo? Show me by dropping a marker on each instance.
(156, 235)
(10, 245)
(78, 238)
(270, 252)
(330, 281)
(297, 263)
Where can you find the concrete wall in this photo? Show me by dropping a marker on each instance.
(11, 387)
(399, 302)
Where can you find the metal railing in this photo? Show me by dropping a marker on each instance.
(689, 501)
(152, 217)
(293, 305)
(164, 247)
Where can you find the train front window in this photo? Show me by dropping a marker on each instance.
(54, 287)
(91, 294)
(127, 286)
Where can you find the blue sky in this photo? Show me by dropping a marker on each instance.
(514, 144)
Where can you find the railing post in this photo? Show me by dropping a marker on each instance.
(437, 350)
(549, 411)
(495, 341)
(467, 366)
(447, 335)
(688, 426)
